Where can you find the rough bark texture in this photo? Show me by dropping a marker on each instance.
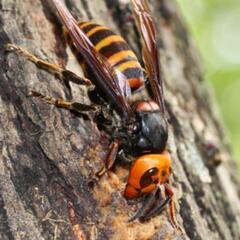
(47, 151)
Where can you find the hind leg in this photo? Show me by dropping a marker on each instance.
(50, 67)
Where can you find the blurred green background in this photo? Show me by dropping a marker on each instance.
(215, 25)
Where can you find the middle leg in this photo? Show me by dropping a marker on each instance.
(61, 103)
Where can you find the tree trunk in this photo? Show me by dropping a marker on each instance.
(49, 156)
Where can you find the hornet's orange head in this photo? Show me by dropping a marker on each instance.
(146, 173)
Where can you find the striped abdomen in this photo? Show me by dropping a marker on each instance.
(116, 50)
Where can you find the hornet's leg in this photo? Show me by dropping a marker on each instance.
(60, 103)
(50, 67)
(169, 192)
(111, 157)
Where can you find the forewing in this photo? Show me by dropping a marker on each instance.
(147, 30)
(104, 74)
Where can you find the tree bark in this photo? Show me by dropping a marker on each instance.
(49, 156)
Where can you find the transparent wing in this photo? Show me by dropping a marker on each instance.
(147, 30)
(105, 80)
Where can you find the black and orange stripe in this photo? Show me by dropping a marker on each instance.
(115, 49)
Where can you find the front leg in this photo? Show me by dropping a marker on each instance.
(50, 67)
(110, 159)
(172, 214)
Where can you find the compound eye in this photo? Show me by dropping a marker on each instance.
(147, 179)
